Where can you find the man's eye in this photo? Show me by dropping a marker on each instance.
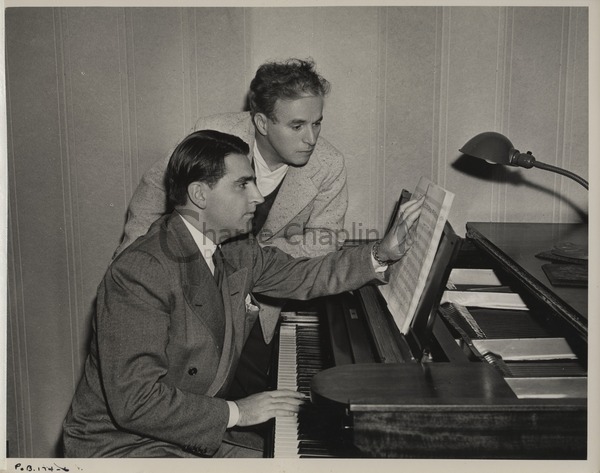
(317, 125)
(297, 127)
(243, 185)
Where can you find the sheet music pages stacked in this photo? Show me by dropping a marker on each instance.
(408, 276)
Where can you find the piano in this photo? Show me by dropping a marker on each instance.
(437, 391)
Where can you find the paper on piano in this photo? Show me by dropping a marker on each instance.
(468, 276)
(408, 276)
(549, 388)
(520, 349)
(489, 300)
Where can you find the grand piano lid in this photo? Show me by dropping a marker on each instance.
(410, 383)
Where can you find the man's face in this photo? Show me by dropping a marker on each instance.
(231, 203)
(291, 137)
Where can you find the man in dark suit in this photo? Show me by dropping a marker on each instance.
(301, 176)
(171, 322)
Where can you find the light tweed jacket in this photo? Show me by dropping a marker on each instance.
(306, 218)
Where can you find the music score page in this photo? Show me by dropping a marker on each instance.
(408, 276)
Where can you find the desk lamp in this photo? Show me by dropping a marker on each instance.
(497, 149)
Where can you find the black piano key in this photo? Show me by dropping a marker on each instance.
(310, 356)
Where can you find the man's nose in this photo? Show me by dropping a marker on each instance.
(311, 136)
(256, 197)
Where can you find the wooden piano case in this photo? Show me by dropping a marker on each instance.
(431, 393)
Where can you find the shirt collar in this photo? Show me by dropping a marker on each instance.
(205, 245)
(267, 180)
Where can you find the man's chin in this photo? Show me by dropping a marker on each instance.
(238, 232)
(300, 161)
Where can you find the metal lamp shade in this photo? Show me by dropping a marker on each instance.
(491, 146)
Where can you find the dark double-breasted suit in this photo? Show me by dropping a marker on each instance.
(165, 344)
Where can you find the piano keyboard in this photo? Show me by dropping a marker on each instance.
(300, 358)
(286, 428)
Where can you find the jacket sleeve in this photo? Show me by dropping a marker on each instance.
(323, 231)
(133, 317)
(277, 274)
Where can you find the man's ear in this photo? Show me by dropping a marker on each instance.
(260, 122)
(197, 193)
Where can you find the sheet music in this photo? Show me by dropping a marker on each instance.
(548, 388)
(408, 276)
(472, 276)
(489, 300)
(519, 349)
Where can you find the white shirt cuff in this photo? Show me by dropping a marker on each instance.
(234, 414)
(379, 268)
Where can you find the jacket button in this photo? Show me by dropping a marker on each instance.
(192, 371)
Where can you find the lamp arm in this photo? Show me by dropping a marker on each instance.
(496, 148)
(564, 172)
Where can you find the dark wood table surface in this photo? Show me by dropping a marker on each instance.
(522, 241)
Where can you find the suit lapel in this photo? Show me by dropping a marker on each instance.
(297, 191)
(207, 307)
(236, 283)
(233, 300)
(199, 286)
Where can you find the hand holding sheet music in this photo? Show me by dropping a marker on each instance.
(399, 239)
(407, 277)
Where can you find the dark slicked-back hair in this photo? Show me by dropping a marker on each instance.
(287, 80)
(200, 157)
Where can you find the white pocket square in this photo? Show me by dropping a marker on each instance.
(250, 307)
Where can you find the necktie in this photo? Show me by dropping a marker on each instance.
(218, 262)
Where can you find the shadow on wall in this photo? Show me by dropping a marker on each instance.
(505, 175)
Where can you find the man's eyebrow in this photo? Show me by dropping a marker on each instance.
(244, 179)
(299, 121)
(296, 121)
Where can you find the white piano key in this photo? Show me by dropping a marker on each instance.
(286, 428)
